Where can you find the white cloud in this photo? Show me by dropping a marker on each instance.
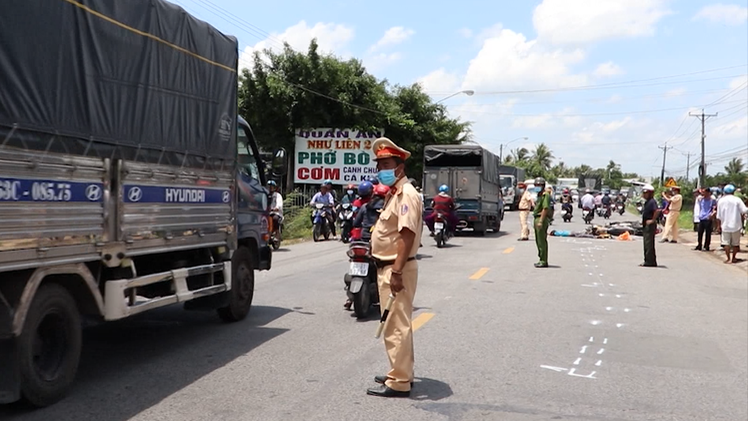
(738, 82)
(466, 32)
(440, 81)
(728, 14)
(380, 61)
(584, 21)
(608, 69)
(509, 61)
(331, 39)
(490, 32)
(392, 36)
(614, 99)
(736, 129)
(675, 92)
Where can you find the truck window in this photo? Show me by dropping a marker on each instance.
(247, 160)
(506, 181)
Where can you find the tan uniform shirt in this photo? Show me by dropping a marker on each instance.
(676, 202)
(403, 209)
(525, 203)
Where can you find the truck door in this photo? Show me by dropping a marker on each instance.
(435, 177)
(466, 183)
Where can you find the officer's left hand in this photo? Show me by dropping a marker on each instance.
(396, 283)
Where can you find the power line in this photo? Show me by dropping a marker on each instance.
(729, 94)
(702, 168)
(628, 84)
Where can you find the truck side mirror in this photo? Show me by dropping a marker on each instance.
(280, 163)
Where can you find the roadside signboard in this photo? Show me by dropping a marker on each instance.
(340, 155)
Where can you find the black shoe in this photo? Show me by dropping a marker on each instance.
(386, 392)
(674, 241)
(541, 265)
(382, 379)
(707, 249)
(697, 248)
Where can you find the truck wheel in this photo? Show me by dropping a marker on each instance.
(242, 287)
(49, 346)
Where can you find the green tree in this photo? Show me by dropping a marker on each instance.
(734, 167)
(290, 90)
(518, 157)
(542, 157)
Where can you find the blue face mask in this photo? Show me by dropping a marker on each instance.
(387, 177)
(536, 189)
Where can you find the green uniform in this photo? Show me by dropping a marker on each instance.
(541, 232)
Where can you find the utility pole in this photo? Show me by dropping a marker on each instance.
(664, 155)
(688, 165)
(702, 167)
(501, 154)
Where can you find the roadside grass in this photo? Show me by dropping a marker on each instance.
(298, 226)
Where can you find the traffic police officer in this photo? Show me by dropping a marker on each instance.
(542, 214)
(394, 244)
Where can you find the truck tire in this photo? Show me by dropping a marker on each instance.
(242, 287)
(49, 346)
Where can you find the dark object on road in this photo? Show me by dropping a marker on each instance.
(361, 279)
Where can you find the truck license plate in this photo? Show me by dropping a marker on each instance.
(438, 225)
(359, 269)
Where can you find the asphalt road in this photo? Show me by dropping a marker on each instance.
(594, 337)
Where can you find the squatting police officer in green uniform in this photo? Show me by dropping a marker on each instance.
(542, 214)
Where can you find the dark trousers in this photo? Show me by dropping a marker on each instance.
(705, 227)
(541, 241)
(650, 258)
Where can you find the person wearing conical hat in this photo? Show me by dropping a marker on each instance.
(394, 244)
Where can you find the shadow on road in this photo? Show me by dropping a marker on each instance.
(426, 389)
(131, 365)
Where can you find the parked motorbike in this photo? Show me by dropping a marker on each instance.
(346, 216)
(361, 279)
(587, 215)
(277, 232)
(566, 212)
(620, 208)
(607, 211)
(321, 222)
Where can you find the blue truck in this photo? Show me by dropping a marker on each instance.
(127, 180)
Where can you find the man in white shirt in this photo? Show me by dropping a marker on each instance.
(276, 206)
(730, 211)
(588, 200)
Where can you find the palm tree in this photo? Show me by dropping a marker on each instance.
(518, 156)
(734, 167)
(542, 157)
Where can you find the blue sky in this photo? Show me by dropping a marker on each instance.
(499, 48)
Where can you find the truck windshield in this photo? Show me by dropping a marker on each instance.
(506, 181)
(246, 159)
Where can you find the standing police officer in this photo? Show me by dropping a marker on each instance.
(394, 244)
(542, 214)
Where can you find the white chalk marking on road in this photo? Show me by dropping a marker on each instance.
(600, 352)
(592, 339)
(572, 372)
(590, 273)
(601, 274)
(550, 367)
(599, 363)
(612, 285)
(577, 361)
(595, 322)
(619, 325)
(589, 285)
(609, 308)
(448, 297)
(618, 295)
(584, 349)
(601, 294)
(626, 310)
(605, 341)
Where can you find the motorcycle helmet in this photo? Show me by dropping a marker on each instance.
(272, 183)
(381, 190)
(540, 181)
(566, 191)
(350, 189)
(365, 188)
(729, 189)
(327, 183)
(443, 188)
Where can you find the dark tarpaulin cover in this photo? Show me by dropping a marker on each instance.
(142, 74)
(442, 153)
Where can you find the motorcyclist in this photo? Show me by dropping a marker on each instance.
(350, 194)
(587, 201)
(566, 202)
(325, 197)
(367, 215)
(276, 205)
(364, 195)
(598, 200)
(443, 203)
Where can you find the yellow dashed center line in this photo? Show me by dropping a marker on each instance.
(509, 250)
(479, 274)
(421, 320)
